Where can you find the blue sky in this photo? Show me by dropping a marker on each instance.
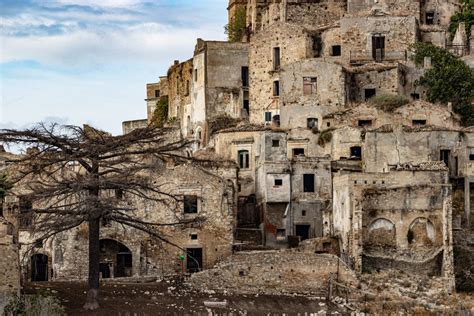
(87, 61)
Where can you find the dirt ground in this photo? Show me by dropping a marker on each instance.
(174, 298)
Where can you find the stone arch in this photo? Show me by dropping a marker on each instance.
(116, 259)
(421, 232)
(381, 232)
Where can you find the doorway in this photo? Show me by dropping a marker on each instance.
(39, 268)
(194, 260)
(115, 259)
(378, 47)
(302, 231)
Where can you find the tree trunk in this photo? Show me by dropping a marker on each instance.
(94, 265)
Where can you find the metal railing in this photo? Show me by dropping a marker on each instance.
(458, 50)
(361, 57)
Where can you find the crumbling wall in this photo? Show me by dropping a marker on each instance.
(294, 43)
(9, 263)
(180, 80)
(313, 15)
(274, 272)
(383, 7)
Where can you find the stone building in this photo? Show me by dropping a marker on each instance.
(297, 118)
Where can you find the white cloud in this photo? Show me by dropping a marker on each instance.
(143, 43)
(100, 3)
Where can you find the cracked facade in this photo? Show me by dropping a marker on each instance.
(305, 149)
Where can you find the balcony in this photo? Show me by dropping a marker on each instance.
(379, 56)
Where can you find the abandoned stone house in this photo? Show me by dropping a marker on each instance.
(303, 150)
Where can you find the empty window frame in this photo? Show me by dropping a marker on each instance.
(245, 76)
(268, 117)
(26, 213)
(317, 45)
(378, 47)
(308, 182)
(356, 152)
(365, 123)
(298, 152)
(336, 50)
(276, 58)
(311, 122)
(275, 143)
(418, 122)
(471, 157)
(244, 159)
(276, 120)
(278, 182)
(369, 93)
(157, 93)
(276, 88)
(444, 156)
(415, 96)
(195, 75)
(310, 85)
(194, 236)
(429, 18)
(190, 204)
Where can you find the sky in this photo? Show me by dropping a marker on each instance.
(88, 61)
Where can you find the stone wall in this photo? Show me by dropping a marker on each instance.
(9, 263)
(274, 272)
(213, 184)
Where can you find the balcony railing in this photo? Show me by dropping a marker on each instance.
(458, 50)
(380, 55)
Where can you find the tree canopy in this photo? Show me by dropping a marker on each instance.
(448, 80)
(73, 175)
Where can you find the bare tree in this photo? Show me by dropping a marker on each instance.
(70, 175)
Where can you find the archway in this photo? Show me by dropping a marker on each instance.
(381, 232)
(39, 267)
(115, 259)
(421, 233)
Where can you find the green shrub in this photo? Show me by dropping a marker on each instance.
(237, 26)
(160, 115)
(388, 102)
(325, 137)
(448, 80)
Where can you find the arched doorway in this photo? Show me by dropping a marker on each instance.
(39, 267)
(115, 259)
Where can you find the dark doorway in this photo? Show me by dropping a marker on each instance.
(302, 231)
(308, 182)
(39, 267)
(194, 260)
(369, 93)
(378, 47)
(115, 259)
(444, 156)
(105, 270)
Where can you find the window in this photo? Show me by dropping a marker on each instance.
(275, 143)
(194, 236)
(303, 213)
(310, 85)
(356, 152)
(364, 123)
(119, 194)
(26, 213)
(281, 234)
(195, 75)
(369, 93)
(298, 152)
(245, 76)
(336, 50)
(244, 160)
(429, 18)
(328, 124)
(418, 122)
(471, 157)
(312, 122)
(276, 88)
(278, 182)
(188, 87)
(276, 58)
(415, 96)
(268, 116)
(157, 93)
(190, 204)
(378, 47)
(308, 182)
(444, 156)
(276, 120)
(317, 45)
